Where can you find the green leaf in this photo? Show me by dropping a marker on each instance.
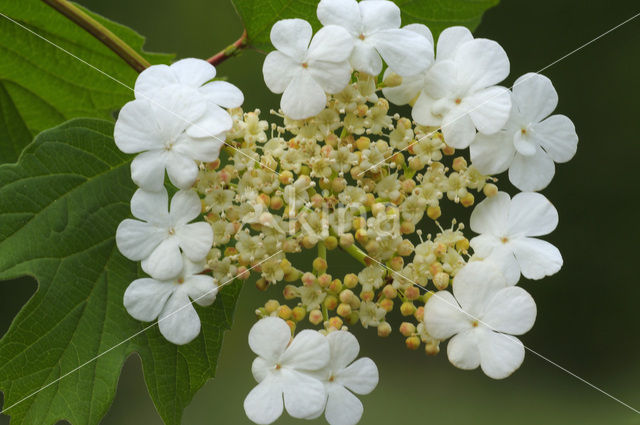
(260, 15)
(43, 86)
(59, 209)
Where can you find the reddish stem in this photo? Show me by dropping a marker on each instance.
(230, 50)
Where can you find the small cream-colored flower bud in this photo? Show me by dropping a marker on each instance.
(412, 343)
(386, 304)
(459, 164)
(308, 279)
(320, 264)
(331, 242)
(331, 302)
(412, 293)
(377, 208)
(490, 190)
(290, 245)
(407, 329)
(286, 177)
(467, 200)
(262, 284)
(462, 245)
(335, 323)
(324, 280)
(363, 143)
(292, 275)
(298, 313)
(389, 291)
(289, 292)
(335, 286)
(441, 280)
(315, 317)
(271, 306)
(396, 263)
(308, 243)
(367, 295)
(361, 236)
(347, 296)
(448, 150)
(346, 240)
(384, 329)
(419, 314)
(434, 212)
(405, 248)
(407, 227)
(353, 318)
(344, 310)
(432, 348)
(350, 280)
(407, 308)
(338, 184)
(284, 312)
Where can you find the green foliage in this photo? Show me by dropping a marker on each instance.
(59, 209)
(259, 15)
(42, 86)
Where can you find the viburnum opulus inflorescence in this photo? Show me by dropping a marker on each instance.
(337, 168)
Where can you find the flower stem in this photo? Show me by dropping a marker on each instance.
(322, 250)
(353, 251)
(229, 51)
(99, 31)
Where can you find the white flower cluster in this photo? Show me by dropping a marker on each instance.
(314, 373)
(176, 121)
(341, 171)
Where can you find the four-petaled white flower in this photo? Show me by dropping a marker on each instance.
(460, 93)
(375, 29)
(169, 301)
(483, 315)
(530, 142)
(160, 237)
(194, 77)
(343, 376)
(159, 130)
(507, 230)
(411, 87)
(305, 69)
(282, 371)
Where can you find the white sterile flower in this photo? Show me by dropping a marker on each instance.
(411, 87)
(158, 236)
(375, 29)
(305, 69)
(483, 315)
(282, 370)
(169, 301)
(343, 377)
(194, 76)
(507, 230)
(460, 94)
(160, 130)
(530, 142)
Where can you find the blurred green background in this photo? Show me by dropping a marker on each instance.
(588, 314)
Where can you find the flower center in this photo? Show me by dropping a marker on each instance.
(172, 231)
(474, 323)
(361, 37)
(305, 65)
(278, 367)
(458, 100)
(523, 131)
(332, 378)
(180, 280)
(504, 239)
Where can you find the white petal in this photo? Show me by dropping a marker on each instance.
(463, 351)
(303, 98)
(223, 93)
(136, 240)
(458, 129)
(443, 316)
(449, 41)
(534, 96)
(500, 354)
(489, 109)
(195, 240)
(174, 109)
(332, 77)
(145, 298)
(537, 258)
(261, 368)
(365, 58)
(263, 404)
(531, 214)
(344, 349)
(147, 169)
(361, 376)
(421, 111)
(213, 122)
(406, 52)
(503, 259)
(331, 43)
(475, 284)
(201, 289)
(405, 92)
(378, 16)
(278, 71)
(343, 408)
(421, 29)
(484, 244)
(269, 337)
(524, 144)
(492, 153)
(165, 261)
(511, 310)
(304, 396)
(134, 130)
(440, 80)
(207, 149)
(557, 136)
(481, 63)
(151, 206)
(309, 350)
(344, 13)
(152, 79)
(291, 37)
(490, 216)
(182, 170)
(193, 72)
(179, 321)
(533, 172)
(185, 206)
